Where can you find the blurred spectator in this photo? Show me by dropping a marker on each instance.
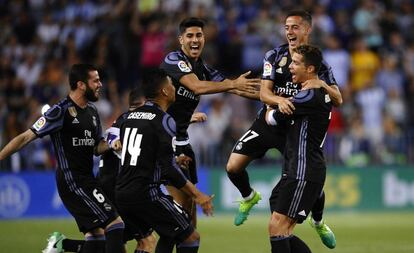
(371, 101)
(354, 148)
(339, 60)
(367, 43)
(389, 76)
(364, 64)
(366, 22)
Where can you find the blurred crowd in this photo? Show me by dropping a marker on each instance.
(369, 44)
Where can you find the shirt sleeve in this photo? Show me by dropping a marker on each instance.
(326, 74)
(99, 135)
(213, 74)
(175, 66)
(166, 158)
(50, 122)
(268, 68)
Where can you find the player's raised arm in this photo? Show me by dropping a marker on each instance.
(200, 87)
(17, 143)
(268, 97)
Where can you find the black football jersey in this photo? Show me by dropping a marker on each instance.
(306, 133)
(176, 64)
(109, 163)
(75, 132)
(147, 154)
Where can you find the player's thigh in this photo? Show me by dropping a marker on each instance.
(169, 219)
(294, 198)
(87, 203)
(136, 227)
(180, 197)
(280, 224)
(237, 162)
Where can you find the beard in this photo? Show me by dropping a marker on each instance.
(90, 94)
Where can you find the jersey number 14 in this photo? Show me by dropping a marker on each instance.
(132, 144)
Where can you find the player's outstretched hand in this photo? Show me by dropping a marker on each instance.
(286, 106)
(312, 84)
(198, 117)
(206, 203)
(250, 85)
(183, 161)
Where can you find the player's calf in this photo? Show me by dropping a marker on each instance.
(114, 233)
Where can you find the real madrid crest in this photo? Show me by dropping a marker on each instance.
(94, 121)
(283, 61)
(239, 145)
(72, 111)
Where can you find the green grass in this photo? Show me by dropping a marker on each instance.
(356, 233)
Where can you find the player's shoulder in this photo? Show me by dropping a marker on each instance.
(57, 110)
(174, 57)
(324, 66)
(168, 124)
(121, 118)
(92, 107)
(273, 53)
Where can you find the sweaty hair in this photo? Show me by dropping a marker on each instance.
(79, 72)
(301, 13)
(135, 97)
(152, 82)
(311, 56)
(190, 22)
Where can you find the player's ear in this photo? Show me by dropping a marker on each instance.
(81, 85)
(164, 92)
(310, 69)
(180, 39)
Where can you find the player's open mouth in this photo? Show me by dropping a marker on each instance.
(194, 48)
(292, 39)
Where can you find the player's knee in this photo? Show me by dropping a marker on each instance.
(118, 223)
(280, 225)
(147, 244)
(195, 236)
(232, 166)
(95, 233)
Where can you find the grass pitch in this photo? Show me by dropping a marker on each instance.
(355, 233)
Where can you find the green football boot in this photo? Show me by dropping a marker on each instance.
(324, 232)
(245, 207)
(55, 244)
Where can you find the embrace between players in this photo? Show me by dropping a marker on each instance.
(150, 146)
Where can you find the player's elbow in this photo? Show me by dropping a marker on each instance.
(338, 102)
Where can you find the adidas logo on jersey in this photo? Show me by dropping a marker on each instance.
(75, 121)
(302, 213)
(279, 70)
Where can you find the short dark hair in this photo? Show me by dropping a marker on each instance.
(152, 82)
(311, 55)
(190, 22)
(79, 72)
(306, 16)
(135, 96)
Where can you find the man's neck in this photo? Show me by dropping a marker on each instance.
(163, 104)
(188, 56)
(78, 98)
